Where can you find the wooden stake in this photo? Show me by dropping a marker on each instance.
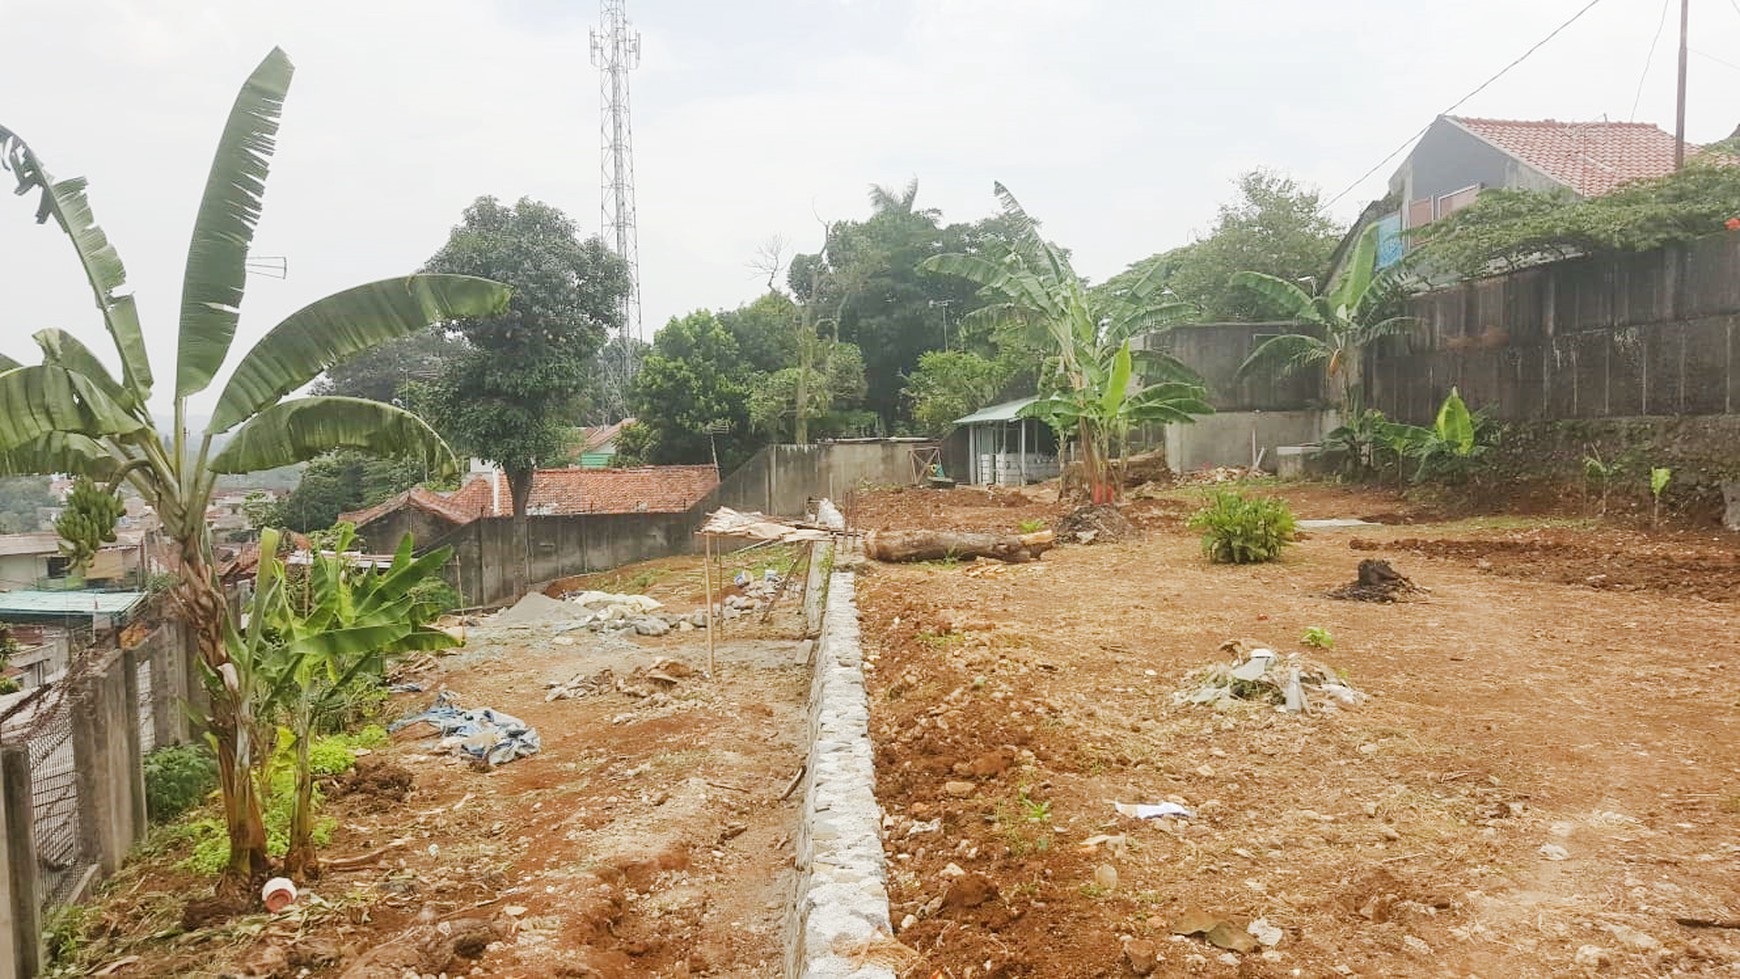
(707, 573)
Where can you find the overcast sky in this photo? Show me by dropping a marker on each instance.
(1120, 123)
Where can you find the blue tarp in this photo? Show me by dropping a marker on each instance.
(483, 733)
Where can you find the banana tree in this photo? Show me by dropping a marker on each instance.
(335, 646)
(1345, 319)
(1030, 285)
(1114, 401)
(69, 414)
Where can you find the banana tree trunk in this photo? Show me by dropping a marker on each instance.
(202, 603)
(301, 861)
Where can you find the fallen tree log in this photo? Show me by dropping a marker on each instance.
(899, 546)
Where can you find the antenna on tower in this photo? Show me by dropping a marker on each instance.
(615, 52)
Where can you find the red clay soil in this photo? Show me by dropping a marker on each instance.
(1541, 784)
(647, 838)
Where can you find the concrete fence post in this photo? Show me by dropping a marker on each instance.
(133, 745)
(105, 773)
(21, 952)
(168, 685)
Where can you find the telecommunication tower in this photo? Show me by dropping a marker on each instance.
(616, 52)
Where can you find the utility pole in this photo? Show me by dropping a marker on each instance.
(1680, 111)
(615, 52)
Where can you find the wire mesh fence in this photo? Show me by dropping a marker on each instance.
(58, 724)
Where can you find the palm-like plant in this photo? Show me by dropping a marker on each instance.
(69, 414)
(334, 647)
(1348, 316)
(1091, 393)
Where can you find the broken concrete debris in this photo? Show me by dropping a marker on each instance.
(648, 681)
(1258, 674)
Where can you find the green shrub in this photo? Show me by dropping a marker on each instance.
(1238, 529)
(177, 778)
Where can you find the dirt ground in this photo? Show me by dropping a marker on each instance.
(1542, 782)
(647, 838)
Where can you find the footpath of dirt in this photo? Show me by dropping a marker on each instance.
(646, 838)
(1541, 784)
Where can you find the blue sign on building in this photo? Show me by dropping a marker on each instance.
(1390, 246)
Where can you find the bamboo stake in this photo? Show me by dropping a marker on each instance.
(707, 573)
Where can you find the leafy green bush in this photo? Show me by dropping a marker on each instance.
(177, 778)
(1240, 529)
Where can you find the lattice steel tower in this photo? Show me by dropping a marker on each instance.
(615, 52)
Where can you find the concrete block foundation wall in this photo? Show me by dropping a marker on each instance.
(840, 910)
(1225, 438)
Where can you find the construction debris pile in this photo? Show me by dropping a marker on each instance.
(754, 593)
(1254, 673)
(1378, 582)
(660, 677)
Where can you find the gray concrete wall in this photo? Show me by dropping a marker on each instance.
(778, 480)
(1656, 333)
(1216, 350)
(1224, 439)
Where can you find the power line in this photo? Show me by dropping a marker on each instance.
(1706, 54)
(1648, 58)
(1476, 91)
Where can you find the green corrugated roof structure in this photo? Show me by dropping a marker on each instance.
(29, 605)
(1004, 412)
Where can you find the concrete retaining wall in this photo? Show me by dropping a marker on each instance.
(1224, 439)
(840, 911)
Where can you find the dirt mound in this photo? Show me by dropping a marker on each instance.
(1095, 525)
(1377, 582)
(1616, 560)
(378, 780)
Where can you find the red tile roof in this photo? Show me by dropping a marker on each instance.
(561, 492)
(1591, 158)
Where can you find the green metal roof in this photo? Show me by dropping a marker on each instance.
(1004, 412)
(68, 603)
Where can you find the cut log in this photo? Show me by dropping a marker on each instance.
(896, 546)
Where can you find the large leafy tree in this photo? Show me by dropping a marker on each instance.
(1352, 313)
(867, 286)
(70, 414)
(1091, 391)
(951, 383)
(1275, 226)
(692, 395)
(338, 482)
(514, 394)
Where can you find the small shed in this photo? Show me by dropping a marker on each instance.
(1004, 449)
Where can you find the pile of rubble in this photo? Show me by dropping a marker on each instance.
(1257, 674)
(660, 677)
(602, 611)
(753, 595)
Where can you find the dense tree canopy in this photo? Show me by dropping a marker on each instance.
(337, 483)
(866, 288)
(510, 396)
(20, 499)
(692, 389)
(1275, 227)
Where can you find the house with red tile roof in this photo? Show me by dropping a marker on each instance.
(427, 514)
(1459, 156)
